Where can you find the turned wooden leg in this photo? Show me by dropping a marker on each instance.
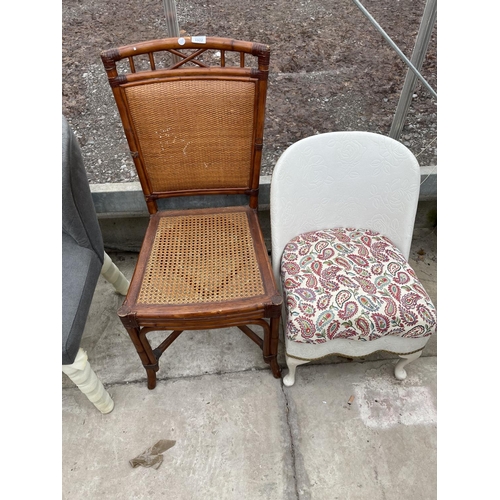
(292, 363)
(85, 378)
(112, 274)
(399, 369)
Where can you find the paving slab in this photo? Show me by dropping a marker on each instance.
(239, 432)
(359, 433)
(230, 431)
(343, 431)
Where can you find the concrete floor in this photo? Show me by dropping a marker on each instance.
(238, 432)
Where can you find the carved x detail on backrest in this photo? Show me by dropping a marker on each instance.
(186, 57)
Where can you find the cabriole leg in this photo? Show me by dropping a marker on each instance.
(85, 378)
(399, 369)
(292, 363)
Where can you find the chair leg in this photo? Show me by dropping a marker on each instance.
(85, 378)
(151, 366)
(273, 347)
(399, 370)
(151, 374)
(112, 274)
(292, 363)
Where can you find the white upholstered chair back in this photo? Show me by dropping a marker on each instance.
(344, 179)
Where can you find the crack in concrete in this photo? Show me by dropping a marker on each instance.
(109, 385)
(292, 447)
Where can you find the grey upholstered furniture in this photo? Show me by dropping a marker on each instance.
(83, 260)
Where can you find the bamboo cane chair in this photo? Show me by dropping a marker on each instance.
(194, 124)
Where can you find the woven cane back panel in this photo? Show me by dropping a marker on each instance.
(194, 134)
(201, 258)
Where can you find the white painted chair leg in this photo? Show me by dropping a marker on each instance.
(292, 363)
(85, 378)
(399, 369)
(112, 274)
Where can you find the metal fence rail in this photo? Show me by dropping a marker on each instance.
(423, 38)
(414, 65)
(172, 23)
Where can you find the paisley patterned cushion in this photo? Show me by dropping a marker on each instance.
(351, 283)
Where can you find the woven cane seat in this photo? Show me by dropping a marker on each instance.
(201, 262)
(184, 266)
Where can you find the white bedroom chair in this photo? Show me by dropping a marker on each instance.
(343, 208)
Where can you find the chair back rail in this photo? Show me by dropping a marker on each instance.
(195, 126)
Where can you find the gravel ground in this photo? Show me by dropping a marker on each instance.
(330, 69)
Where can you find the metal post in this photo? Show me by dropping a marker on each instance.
(172, 23)
(396, 48)
(423, 38)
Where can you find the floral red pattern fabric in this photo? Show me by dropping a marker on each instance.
(352, 284)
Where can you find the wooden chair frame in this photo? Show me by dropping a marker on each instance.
(141, 316)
